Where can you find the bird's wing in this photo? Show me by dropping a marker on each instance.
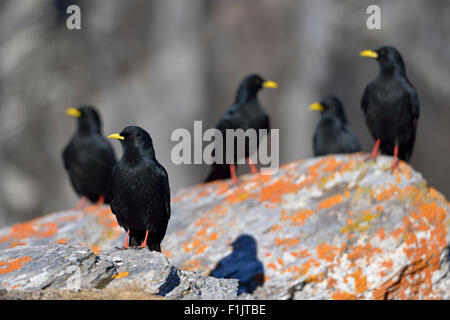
(365, 98)
(231, 119)
(65, 157)
(349, 139)
(414, 103)
(115, 195)
(164, 178)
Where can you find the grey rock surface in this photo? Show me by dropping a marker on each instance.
(334, 227)
(68, 267)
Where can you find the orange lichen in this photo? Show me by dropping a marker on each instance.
(342, 295)
(388, 193)
(13, 265)
(17, 244)
(191, 265)
(274, 192)
(423, 254)
(301, 254)
(388, 264)
(326, 252)
(96, 249)
(69, 218)
(61, 241)
(360, 281)
(120, 275)
(330, 202)
(272, 265)
(286, 242)
(298, 218)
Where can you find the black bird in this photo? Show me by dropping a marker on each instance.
(246, 113)
(242, 264)
(89, 157)
(333, 133)
(391, 106)
(139, 190)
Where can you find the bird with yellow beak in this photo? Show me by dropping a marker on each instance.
(139, 190)
(391, 106)
(245, 113)
(88, 157)
(333, 134)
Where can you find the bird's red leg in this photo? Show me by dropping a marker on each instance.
(81, 203)
(253, 168)
(374, 153)
(233, 173)
(144, 243)
(101, 200)
(395, 163)
(126, 246)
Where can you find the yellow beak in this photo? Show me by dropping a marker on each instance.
(270, 84)
(73, 112)
(116, 136)
(317, 107)
(369, 54)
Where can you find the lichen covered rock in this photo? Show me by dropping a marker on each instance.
(335, 227)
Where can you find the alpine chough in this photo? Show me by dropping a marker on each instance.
(139, 190)
(245, 113)
(333, 133)
(391, 106)
(89, 157)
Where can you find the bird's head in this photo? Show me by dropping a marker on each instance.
(88, 118)
(389, 58)
(251, 85)
(245, 243)
(330, 105)
(134, 138)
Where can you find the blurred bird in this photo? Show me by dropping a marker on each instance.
(88, 158)
(246, 113)
(391, 106)
(139, 191)
(333, 133)
(242, 264)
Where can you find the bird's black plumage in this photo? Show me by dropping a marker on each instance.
(242, 264)
(391, 105)
(245, 113)
(89, 157)
(139, 190)
(333, 133)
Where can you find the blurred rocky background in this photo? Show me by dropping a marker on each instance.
(162, 64)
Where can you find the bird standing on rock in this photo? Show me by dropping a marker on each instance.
(139, 191)
(333, 133)
(391, 106)
(88, 158)
(246, 113)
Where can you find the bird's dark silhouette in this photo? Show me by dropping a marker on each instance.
(391, 106)
(333, 133)
(242, 264)
(139, 191)
(89, 157)
(245, 113)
